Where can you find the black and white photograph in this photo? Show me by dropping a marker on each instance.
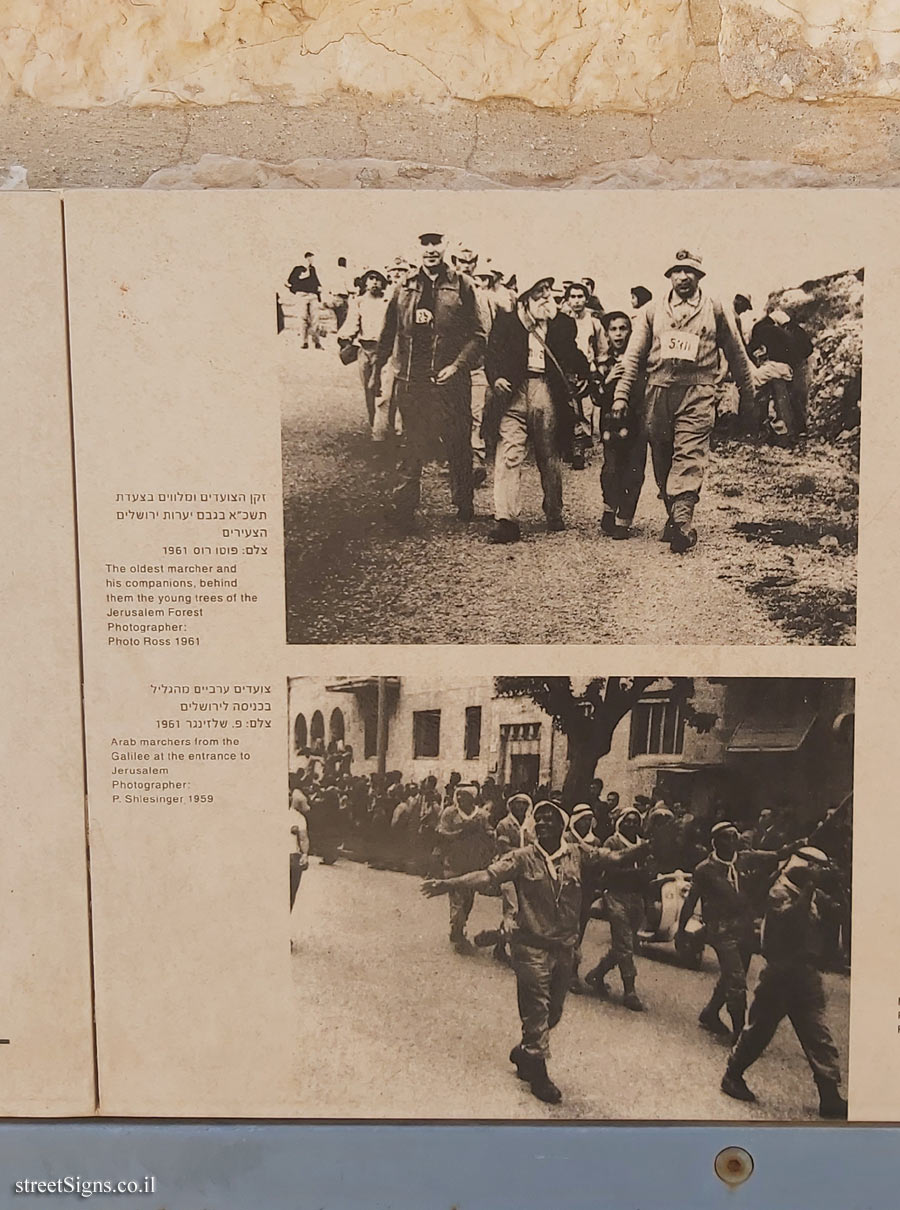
(593, 423)
(594, 898)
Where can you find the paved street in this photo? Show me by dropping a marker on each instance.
(353, 579)
(391, 1022)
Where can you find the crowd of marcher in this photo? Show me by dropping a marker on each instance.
(462, 362)
(763, 884)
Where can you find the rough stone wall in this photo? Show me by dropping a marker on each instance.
(452, 93)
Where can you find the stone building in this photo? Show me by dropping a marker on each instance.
(784, 742)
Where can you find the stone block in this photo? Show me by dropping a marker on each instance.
(811, 50)
(578, 54)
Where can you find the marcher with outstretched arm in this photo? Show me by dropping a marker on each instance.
(728, 916)
(677, 341)
(547, 874)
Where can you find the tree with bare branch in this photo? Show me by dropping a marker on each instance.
(588, 716)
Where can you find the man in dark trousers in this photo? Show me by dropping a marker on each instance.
(547, 874)
(536, 371)
(728, 916)
(790, 984)
(434, 333)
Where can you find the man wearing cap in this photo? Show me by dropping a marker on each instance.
(533, 364)
(625, 889)
(728, 916)
(466, 841)
(433, 332)
(547, 874)
(790, 984)
(362, 326)
(303, 282)
(677, 341)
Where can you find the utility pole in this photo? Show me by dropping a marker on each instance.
(381, 726)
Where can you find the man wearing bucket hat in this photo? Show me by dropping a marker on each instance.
(362, 327)
(532, 363)
(434, 335)
(790, 984)
(547, 873)
(677, 342)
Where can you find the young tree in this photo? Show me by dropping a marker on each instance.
(589, 717)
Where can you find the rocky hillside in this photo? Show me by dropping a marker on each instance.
(831, 311)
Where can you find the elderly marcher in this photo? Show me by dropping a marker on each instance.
(547, 874)
(677, 342)
(533, 364)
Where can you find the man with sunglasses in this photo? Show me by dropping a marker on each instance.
(434, 333)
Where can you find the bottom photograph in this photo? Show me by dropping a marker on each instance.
(574, 898)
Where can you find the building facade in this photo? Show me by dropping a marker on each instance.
(759, 743)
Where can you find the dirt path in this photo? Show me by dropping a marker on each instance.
(353, 579)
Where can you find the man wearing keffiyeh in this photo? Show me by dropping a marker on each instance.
(625, 889)
(547, 873)
(728, 916)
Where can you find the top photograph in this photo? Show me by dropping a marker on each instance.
(588, 426)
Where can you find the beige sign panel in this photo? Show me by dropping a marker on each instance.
(227, 503)
(46, 1044)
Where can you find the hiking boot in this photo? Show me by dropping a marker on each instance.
(505, 531)
(668, 531)
(522, 1061)
(733, 1086)
(608, 524)
(541, 1085)
(831, 1104)
(576, 987)
(487, 937)
(464, 946)
(597, 983)
(682, 540)
(465, 513)
(555, 524)
(621, 533)
(714, 1024)
(632, 1001)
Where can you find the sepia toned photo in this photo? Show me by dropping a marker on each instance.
(595, 898)
(657, 435)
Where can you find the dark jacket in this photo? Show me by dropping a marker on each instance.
(507, 357)
(303, 282)
(458, 334)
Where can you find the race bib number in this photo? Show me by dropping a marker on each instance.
(678, 345)
(423, 316)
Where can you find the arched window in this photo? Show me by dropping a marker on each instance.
(317, 730)
(336, 726)
(300, 734)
